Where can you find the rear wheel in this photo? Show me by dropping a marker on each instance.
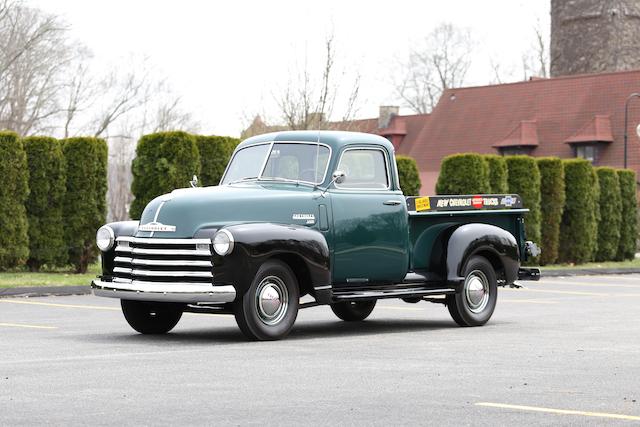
(151, 317)
(353, 311)
(474, 305)
(268, 310)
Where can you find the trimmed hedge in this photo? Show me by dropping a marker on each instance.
(14, 239)
(164, 161)
(610, 207)
(215, 152)
(578, 229)
(466, 173)
(497, 174)
(552, 194)
(524, 179)
(48, 187)
(595, 185)
(85, 201)
(408, 175)
(629, 217)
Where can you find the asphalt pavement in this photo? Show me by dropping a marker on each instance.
(562, 351)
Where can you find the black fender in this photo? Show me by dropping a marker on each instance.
(471, 239)
(254, 243)
(121, 228)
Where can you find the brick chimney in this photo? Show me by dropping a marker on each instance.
(386, 114)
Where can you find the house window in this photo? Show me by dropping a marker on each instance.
(587, 151)
(515, 151)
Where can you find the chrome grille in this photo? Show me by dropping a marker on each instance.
(163, 261)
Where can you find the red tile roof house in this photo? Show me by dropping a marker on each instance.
(572, 116)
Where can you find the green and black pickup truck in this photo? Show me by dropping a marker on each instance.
(317, 214)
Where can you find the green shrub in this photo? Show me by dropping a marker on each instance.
(164, 161)
(629, 217)
(578, 229)
(466, 173)
(85, 201)
(610, 207)
(595, 185)
(552, 196)
(14, 239)
(48, 187)
(524, 179)
(215, 152)
(408, 175)
(497, 174)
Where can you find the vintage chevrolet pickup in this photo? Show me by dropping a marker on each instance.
(317, 214)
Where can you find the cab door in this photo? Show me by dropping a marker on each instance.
(370, 230)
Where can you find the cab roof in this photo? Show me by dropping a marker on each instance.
(335, 139)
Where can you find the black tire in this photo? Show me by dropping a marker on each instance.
(470, 307)
(151, 317)
(353, 311)
(256, 318)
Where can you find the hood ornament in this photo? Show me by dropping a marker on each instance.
(194, 181)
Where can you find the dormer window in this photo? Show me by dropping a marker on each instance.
(515, 151)
(587, 151)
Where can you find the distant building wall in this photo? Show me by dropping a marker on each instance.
(594, 36)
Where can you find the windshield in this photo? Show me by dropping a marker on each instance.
(284, 161)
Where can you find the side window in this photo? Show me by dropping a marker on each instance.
(364, 169)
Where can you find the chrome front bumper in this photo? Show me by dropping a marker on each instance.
(165, 292)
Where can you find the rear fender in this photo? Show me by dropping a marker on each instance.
(494, 242)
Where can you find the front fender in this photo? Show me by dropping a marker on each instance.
(121, 228)
(470, 239)
(254, 243)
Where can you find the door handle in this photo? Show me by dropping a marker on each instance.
(392, 203)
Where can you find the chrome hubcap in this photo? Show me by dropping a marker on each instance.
(272, 300)
(476, 291)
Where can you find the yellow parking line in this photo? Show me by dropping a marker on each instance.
(602, 285)
(528, 301)
(50, 304)
(560, 411)
(18, 325)
(92, 307)
(622, 277)
(553, 291)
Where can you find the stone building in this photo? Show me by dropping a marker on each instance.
(594, 36)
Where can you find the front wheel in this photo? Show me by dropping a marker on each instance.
(151, 317)
(353, 311)
(268, 310)
(474, 305)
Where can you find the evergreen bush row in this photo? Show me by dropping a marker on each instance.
(52, 200)
(577, 213)
(168, 160)
(408, 175)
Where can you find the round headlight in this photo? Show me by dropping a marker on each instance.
(105, 238)
(223, 242)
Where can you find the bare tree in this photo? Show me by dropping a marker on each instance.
(309, 100)
(535, 62)
(441, 61)
(35, 56)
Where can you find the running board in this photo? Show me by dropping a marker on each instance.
(345, 295)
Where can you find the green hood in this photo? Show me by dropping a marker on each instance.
(191, 209)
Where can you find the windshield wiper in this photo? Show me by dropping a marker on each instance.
(246, 178)
(293, 181)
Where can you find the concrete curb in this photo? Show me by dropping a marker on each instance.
(588, 271)
(44, 291)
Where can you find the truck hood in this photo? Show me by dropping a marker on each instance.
(192, 209)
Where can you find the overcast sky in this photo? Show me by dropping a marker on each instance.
(227, 59)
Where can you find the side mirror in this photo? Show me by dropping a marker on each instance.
(339, 177)
(194, 181)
